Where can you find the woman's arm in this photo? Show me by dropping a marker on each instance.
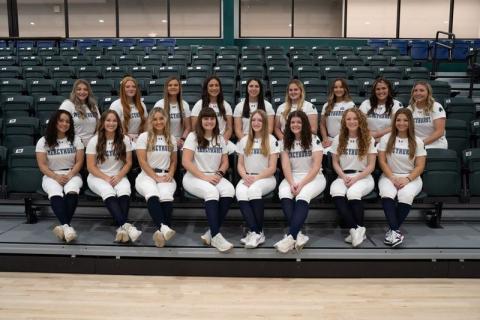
(314, 169)
(286, 167)
(382, 161)
(142, 161)
(271, 124)
(126, 166)
(270, 170)
(79, 158)
(278, 128)
(189, 165)
(238, 127)
(371, 160)
(43, 166)
(336, 166)
(228, 128)
(439, 125)
(193, 120)
(323, 132)
(187, 127)
(93, 168)
(313, 119)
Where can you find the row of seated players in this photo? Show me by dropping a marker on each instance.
(402, 159)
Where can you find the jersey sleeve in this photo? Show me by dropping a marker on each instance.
(280, 109)
(316, 144)
(186, 109)
(334, 147)
(128, 143)
(40, 147)
(92, 146)
(196, 108)
(323, 109)
(274, 147)
(420, 150)
(117, 107)
(68, 106)
(141, 143)
(371, 148)
(77, 142)
(174, 142)
(191, 142)
(365, 106)
(397, 105)
(223, 144)
(145, 112)
(438, 111)
(382, 145)
(228, 108)
(241, 145)
(237, 112)
(158, 104)
(309, 108)
(269, 108)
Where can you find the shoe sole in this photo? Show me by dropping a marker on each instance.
(71, 238)
(205, 241)
(136, 237)
(58, 232)
(159, 239)
(396, 244)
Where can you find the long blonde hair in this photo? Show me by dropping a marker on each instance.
(288, 100)
(152, 135)
(331, 95)
(364, 137)
(91, 103)
(126, 106)
(430, 99)
(265, 145)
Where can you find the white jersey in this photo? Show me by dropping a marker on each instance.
(207, 159)
(135, 121)
(399, 161)
(349, 160)
(307, 107)
(335, 116)
(237, 113)
(176, 125)
(84, 128)
(256, 162)
(301, 160)
(62, 156)
(159, 157)
(379, 119)
(424, 126)
(222, 123)
(110, 166)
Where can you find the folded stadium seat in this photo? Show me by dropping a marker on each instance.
(401, 61)
(45, 106)
(276, 101)
(228, 50)
(457, 133)
(207, 51)
(135, 51)
(126, 42)
(442, 176)
(318, 101)
(89, 72)
(440, 89)
(12, 87)
(366, 86)
(377, 61)
(82, 43)
(192, 98)
(357, 100)
(419, 49)
(390, 73)
(145, 72)
(177, 60)
(350, 60)
(442, 52)
(299, 51)
(105, 60)
(19, 131)
(460, 50)
(251, 50)
(361, 72)
(164, 72)
(28, 61)
(67, 43)
(275, 51)
(462, 108)
(377, 43)
(26, 51)
(10, 72)
(389, 51)
(7, 51)
(147, 42)
(6, 61)
(105, 102)
(252, 72)
(103, 87)
(321, 51)
(92, 51)
(243, 86)
(403, 86)
(104, 43)
(150, 101)
(35, 72)
(3, 166)
(252, 60)
(69, 51)
(192, 86)
(276, 60)
(229, 86)
(114, 73)
(128, 61)
(417, 73)
(226, 71)
(355, 87)
(344, 51)
(205, 60)
(471, 162)
(79, 61)
(301, 60)
(53, 61)
(153, 60)
(114, 51)
(401, 45)
(227, 60)
(64, 87)
(331, 73)
(277, 72)
(16, 106)
(308, 73)
(158, 50)
(315, 87)
(404, 99)
(198, 72)
(278, 86)
(40, 86)
(366, 51)
(42, 52)
(155, 87)
(23, 175)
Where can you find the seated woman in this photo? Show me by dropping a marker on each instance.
(109, 158)
(206, 161)
(301, 159)
(60, 158)
(257, 162)
(157, 155)
(429, 116)
(353, 157)
(402, 158)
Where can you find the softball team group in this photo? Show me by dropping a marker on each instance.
(380, 128)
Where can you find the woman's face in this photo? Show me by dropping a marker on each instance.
(294, 92)
(158, 122)
(296, 125)
(420, 93)
(257, 122)
(81, 92)
(130, 89)
(110, 123)
(173, 87)
(63, 123)
(381, 91)
(401, 123)
(351, 121)
(253, 89)
(213, 88)
(338, 89)
(208, 123)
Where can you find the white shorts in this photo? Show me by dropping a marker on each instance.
(205, 190)
(358, 190)
(147, 187)
(308, 192)
(404, 195)
(257, 190)
(105, 190)
(53, 188)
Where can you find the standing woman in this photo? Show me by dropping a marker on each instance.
(295, 101)
(301, 159)
(429, 116)
(353, 157)
(402, 158)
(380, 108)
(130, 108)
(60, 158)
(109, 158)
(157, 155)
(337, 103)
(257, 162)
(254, 100)
(83, 108)
(177, 109)
(212, 97)
(206, 161)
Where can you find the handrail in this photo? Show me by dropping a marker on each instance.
(473, 68)
(436, 43)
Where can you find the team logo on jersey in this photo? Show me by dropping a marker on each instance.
(318, 141)
(401, 151)
(440, 109)
(422, 120)
(300, 154)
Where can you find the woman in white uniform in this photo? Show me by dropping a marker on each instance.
(254, 100)
(157, 155)
(212, 97)
(83, 108)
(109, 158)
(380, 108)
(337, 103)
(257, 162)
(177, 109)
(206, 161)
(295, 101)
(130, 108)
(60, 158)
(301, 159)
(402, 158)
(353, 158)
(429, 116)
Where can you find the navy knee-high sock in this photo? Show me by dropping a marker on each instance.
(59, 209)
(211, 209)
(248, 215)
(287, 207)
(403, 209)
(124, 202)
(298, 218)
(71, 202)
(343, 210)
(167, 208)
(357, 211)
(258, 211)
(390, 209)
(155, 210)
(115, 211)
(223, 207)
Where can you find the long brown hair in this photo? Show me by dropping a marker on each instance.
(412, 143)
(137, 100)
(119, 149)
(265, 145)
(364, 139)
(430, 99)
(91, 103)
(260, 99)
(166, 98)
(206, 96)
(288, 100)
(305, 134)
(200, 132)
(331, 95)
(374, 100)
(152, 134)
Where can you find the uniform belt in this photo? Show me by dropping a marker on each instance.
(252, 174)
(351, 171)
(160, 170)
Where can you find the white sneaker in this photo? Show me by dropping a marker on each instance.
(133, 232)
(121, 236)
(301, 240)
(159, 239)
(245, 239)
(58, 232)
(348, 239)
(167, 232)
(397, 238)
(388, 237)
(285, 245)
(358, 235)
(253, 240)
(206, 238)
(221, 243)
(69, 232)
(261, 240)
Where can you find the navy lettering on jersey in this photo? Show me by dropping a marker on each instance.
(175, 116)
(161, 148)
(87, 115)
(401, 151)
(134, 115)
(110, 153)
(351, 152)
(300, 154)
(379, 116)
(422, 120)
(210, 149)
(336, 113)
(57, 151)
(256, 151)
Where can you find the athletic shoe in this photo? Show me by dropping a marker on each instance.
(121, 236)
(159, 239)
(206, 238)
(301, 240)
(253, 240)
(167, 232)
(397, 238)
(245, 239)
(221, 243)
(388, 237)
(358, 235)
(261, 240)
(285, 245)
(69, 233)
(348, 239)
(133, 232)
(58, 232)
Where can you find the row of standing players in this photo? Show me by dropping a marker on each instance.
(399, 134)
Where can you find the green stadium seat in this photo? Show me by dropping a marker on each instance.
(102, 87)
(105, 102)
(343, 51)
(35, 72)
(26, 51)
(155, 87)
(150, 101)
(46, 105)
(12, 86)
(135, 51)
(301, 60)
(457, 133)
(227, 60)
(377, 61)
(228, 50)
(92, 51)
(89, 72)
(198, 72)
(279, 72)
(40, 86)
(114, 51)
(6, 51)
(203, 60)
(334, 72)
(62, 72)
(278, 86)
(417, 73)
(361, 72)
(275, 50)
(308, 73)
(366, 51)
(462, 108)
(229, 86)
(389, 51)
(47, 51)
(442, 177)
(276, 60)
(64, 87)
(299, 50)
(153, 60)
(471, 161)
(19, 132)
(79, 61)
(8, 61)
(440, 88)
(192, 86)
(128, 60)
(23, 175)
(249, 50)
(105, 60)
(207, 50)
(252, 72)
(16, 106)
(350, 60)
(403, 86)
(225, 71)
(144, 72)
(165, 72)
(158, 50)
(390, 73)
(315, 87)
(177, 60)
(115, 73)
(53, 61)
(402, 61)
(69, 51)
(10, 72)
(28, 61)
